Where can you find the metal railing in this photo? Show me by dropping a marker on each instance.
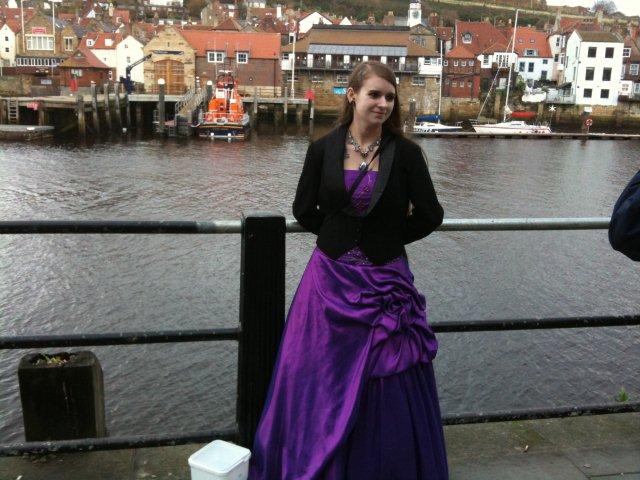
(262, 319)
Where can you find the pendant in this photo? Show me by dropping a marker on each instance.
(363, 166)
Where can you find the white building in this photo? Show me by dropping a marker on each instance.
(103, 46)
(594, 67)
(129, 51)
(414, 16)
(7, 46)
(535, 60)
(305, 24)
(557, 44)
(165, 3)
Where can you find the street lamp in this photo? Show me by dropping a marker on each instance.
(53, 21)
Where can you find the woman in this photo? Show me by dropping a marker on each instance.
(353, 393)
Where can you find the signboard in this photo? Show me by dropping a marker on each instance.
(339, 90)
(38, 30)
(32, 105)
(588, 122)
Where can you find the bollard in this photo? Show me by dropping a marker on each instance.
(262, 268)
(62, 399)
(82, 127)
(139, 117)
(254, 116)
(286, 106)
(42, 115)
(107, 106)
(299, 115)
(94, 107)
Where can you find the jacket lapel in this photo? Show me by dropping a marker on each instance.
(384, 170)
(334, 159)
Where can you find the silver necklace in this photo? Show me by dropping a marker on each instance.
(363, 152)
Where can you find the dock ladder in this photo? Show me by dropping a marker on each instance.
(13, 110)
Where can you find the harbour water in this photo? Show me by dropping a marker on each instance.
(72, 283)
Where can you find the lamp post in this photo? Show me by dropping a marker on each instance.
(53, 22)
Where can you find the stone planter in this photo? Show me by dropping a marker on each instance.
(62, 396)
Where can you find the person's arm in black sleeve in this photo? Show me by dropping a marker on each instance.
(624, 229)
(427, 214)
(305, 205)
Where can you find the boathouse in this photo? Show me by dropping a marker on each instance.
(84, 67)
(172, 59)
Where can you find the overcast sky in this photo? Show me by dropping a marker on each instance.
(628, 7)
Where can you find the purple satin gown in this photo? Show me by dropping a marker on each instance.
(353, 394)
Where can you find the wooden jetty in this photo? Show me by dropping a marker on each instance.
(25, 132)
(544, 136)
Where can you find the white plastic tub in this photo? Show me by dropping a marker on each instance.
(220, 460)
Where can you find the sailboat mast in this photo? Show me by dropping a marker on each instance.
(513, 45)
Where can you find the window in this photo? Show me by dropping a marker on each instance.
(446, 63)
(531, 67)
(557, 41)
(545, 62)
(469, 84)
(295, 78)
(128, 60)
(633, 68)
(463, 63)
(6, 39)
(76, 72)
(485, 60)
(636, 88)
(110, 74)
(532, 40)
(342, 79)
(470, 62)
(521, 67)
(588, 93)
(622, 72)
(530, 53)
(39, 42)
(418, 81)
(317, 78)
(6, 49)
(604, 93)
(606, 75)
(543, 75)
(591, 53)
(466, 37)
(68, 43)
(455, 63)
(215, 57)
(242, 57)
(89, 42)
(520, 40)
(608, 53)
(626, 52)
(454, 84)
(556, 57)
(589, 74)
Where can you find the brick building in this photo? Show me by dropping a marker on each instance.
(461, 72)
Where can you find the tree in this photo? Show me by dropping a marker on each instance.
(607, 6)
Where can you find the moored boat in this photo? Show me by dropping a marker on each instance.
(431, 124)
(514, 127)
(225, 117)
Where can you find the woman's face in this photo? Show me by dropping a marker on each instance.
(373, 102)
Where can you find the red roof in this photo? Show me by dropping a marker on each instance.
(568, 25)
(528, 38)
(14, 13)
(14, 25)
(459, 52)
(125, 15)
(259, 45)
(83, 58)
(67, 17)
(100, 40)
(484, 37)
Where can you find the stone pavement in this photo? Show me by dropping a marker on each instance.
(598, 448)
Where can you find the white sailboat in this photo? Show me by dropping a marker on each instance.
(432, 122)
(514, 127)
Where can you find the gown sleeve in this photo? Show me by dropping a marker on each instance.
(624, 229)
(427, 214)
(305, 204)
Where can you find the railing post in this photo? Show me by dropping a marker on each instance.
(262, 264)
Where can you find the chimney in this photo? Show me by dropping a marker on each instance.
(111, 10)
(279, 12)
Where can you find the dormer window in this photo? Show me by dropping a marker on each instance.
(89, 42)
(530, 53)
(466, 37)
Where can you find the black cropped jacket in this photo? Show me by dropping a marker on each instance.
(322, 206)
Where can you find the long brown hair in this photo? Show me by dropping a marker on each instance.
(357, 78)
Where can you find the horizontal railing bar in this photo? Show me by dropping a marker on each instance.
(124, 338)
(145, 441)
(18, 227)
(116, 443)
(539, 413)
(535, 323)
(118, 226)
(223, 334)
